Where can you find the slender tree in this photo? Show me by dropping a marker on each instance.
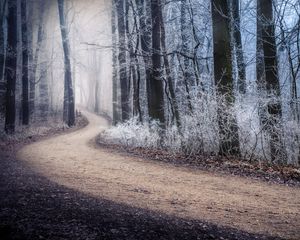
(238, 46)
(11, 67)
(69, 104)
(170, 84)
(145, 26)
(25, 79)
(272, 85)
(186, 49)
(34, 56)
(2, 33)
(43, 91)
(124, 80)
(156, 85)
(2, 53)
(260, 73)
(133, 43)
(116, 114)
(228, 130)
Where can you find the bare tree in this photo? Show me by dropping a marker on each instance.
(25, 77)
(124, 80)
(69, 104)
(34, 56)
(2, 32)
(238, 46)
(11, 67)
(115, 102)
(272, 85)
(228, 129)
(169, 80)
(3, 4)
(156, 85)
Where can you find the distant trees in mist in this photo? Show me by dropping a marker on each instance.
(23, 41)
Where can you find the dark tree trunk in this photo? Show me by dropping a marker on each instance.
(274, 108)
(145, 23)
(124, 80)
(11, 67)
(136, 76)
(137, 85)
(260, 67)
(228, 129)
(2, 32)
(2, 55)
(260, 64)
(134, 63)
(69, 104)
(235, 4)
(25, 79)
(156, 86)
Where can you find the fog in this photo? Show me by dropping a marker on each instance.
(89, 27)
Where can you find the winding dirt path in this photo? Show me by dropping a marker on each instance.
(252, 206)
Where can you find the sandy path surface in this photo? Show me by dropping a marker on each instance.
(252, 206)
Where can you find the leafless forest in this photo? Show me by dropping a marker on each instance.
(209, 84)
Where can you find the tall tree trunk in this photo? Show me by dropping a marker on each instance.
(137, 111)
(124, 81)
(134, 64)
(228, 129)
(2, 54)
(97, 106)
(25, 79)
(174, 104)
(136, 76)
(156, 86)
(241, 82)
(43, 91)
(116, 114)
(274, 109)
(2, 40)
(145, 24)
(97, 87)
(69, 104)
(11, 67)
(34, 57)
(186, 49)
(260, 64)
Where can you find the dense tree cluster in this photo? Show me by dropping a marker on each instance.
(213, 77)
(189, 64)
(23, 53)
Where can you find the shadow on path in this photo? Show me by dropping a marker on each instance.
(32, 207)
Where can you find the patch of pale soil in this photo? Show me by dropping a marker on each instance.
(249, 205)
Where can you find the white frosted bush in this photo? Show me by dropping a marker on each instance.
(199, 132)
(135, 134)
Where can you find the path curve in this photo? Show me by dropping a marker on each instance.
(249, 205)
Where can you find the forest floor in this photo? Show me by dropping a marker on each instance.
(64, 187)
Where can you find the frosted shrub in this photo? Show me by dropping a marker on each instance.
(199, 132)
(292, 141)
(172, 139)
(135, 134)
(199, 129)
